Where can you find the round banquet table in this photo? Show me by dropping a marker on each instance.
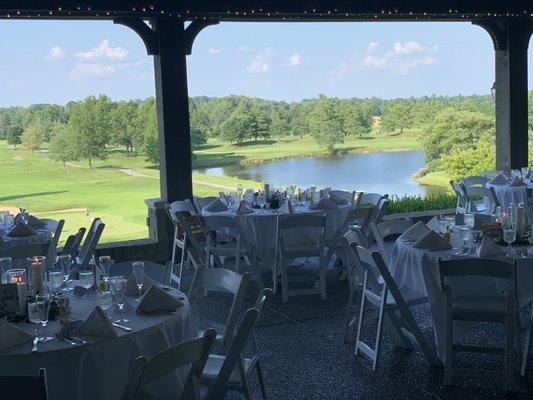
(511, 194)
(100, 368)
(258, 230)
(418, 270)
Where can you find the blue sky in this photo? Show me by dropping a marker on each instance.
(50, 61)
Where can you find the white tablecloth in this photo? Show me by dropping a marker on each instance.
(511, 194)
(258, 230)
(100, 369)
(418, 269)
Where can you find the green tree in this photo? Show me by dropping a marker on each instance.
(324, 124)
(32, 138)
(151, 138)
(63, 145)
(353, 119)
(300, 119)
(279, 123)
(478, 158)
(260, 122)
(237, 127)
(123, 117)
(13, 135)
(91, 124)
(396, 115)
(199, 126)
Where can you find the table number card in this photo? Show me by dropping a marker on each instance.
(9, 299)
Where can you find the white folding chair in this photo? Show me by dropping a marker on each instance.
(387, 231)
(299, 235)
(193, 352)
(225, 281)
(476, 180)
(377, 214)
(201, 202)
(393, 306)
(57, 233)
(72, 244)
(232, 370)
(158, 272)
(343, 195)
(461, 204)
(487, 196)
(25, 387)
(89, 245)
(371, 199)
(333, 245)
(228, 246)
(527, 344)
(495, 307)
(189, 237)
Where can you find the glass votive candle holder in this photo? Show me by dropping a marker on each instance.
(17, 275)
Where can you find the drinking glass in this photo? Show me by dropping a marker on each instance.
(105, 263)
(450, 221)
(119, 288)
(87, 282)
(5, 265)
(465, 235)
(138, 273)
(509, 236)
(469, 220)
(525, 172)
(55, 278)
(65, 262)
(261, 199)
(43, 305)
(35, 317)
(105, 300)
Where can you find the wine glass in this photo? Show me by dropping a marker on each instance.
(55, 277)
(104, 299)
(261, 199)
(43, 305)
(465, 235)
(5, 265)
(65, 262)
(105, 263)
(119, 288)
(138, 273)
(525, 172)
(469, 220)
(509, 236)
(34, 316)
(87, 282)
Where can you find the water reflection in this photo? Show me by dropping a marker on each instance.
(387, 172)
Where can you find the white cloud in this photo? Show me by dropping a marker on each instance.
(103, 51)
(372, 46)
(215, 51)
(242, 48)
(261, 62)
(408, 47)
(56, 53)
(83, 70)
(425, 61)
(295, 60)
(376, 61)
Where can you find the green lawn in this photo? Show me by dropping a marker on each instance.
(437, 178)
(50, 190)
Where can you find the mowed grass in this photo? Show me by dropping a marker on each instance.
(50, 190)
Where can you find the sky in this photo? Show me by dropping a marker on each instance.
(60, 61)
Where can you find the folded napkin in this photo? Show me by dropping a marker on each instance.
(324, 204)
(132, 289)
(21, 230)
(500, 179)
(516, 182)
(287, 208)
(415, 232)
(156, 300)
(215, 206)
(338, 200)
(243, 209)
(75, 272)
(488, 248)
(97, 324)
(480, 220)
(434, 224)
(431, 241)
(11, 336)
(35, 222)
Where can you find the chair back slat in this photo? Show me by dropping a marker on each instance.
(368, 265)
(183, 206)
(476, 180)
(354, 235)
(389, 230)
(486, 267)
(301, 221)
(24, 387)
(57, 232)
(73, 242)
(87, 252)
(201, 202)
(90, 233)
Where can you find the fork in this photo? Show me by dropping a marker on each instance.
(61, 338)
(66, 334)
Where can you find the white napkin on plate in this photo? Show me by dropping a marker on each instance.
(287, 208)
(415, 232)
(516, 182)
(97, 324)
(434, 224)
(156, 300)
(131, 286)
(324, 204)
(500, 179)
(243, 209)
(21, 230)
(11, 335)
(216, 206)
(431, 241)
(488, 248)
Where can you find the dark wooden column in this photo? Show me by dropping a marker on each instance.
(510, 39)
(172, 98)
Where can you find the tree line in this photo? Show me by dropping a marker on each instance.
(87, 129)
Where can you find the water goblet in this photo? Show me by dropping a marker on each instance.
(138, 273)
(65, 262)
(105, 300)
(105, 263)
(87, 282)
(465, 235)
(43, 305)
(119, 288)
(5, 265)
(55, 278)
(509, 236)
(34, 316)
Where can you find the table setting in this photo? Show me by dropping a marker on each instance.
(256, 213)
(414, 261)
(512, 187)
(90, 329)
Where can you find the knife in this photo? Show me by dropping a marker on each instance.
(122, 327)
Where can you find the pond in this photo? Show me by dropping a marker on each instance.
(385, 172)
